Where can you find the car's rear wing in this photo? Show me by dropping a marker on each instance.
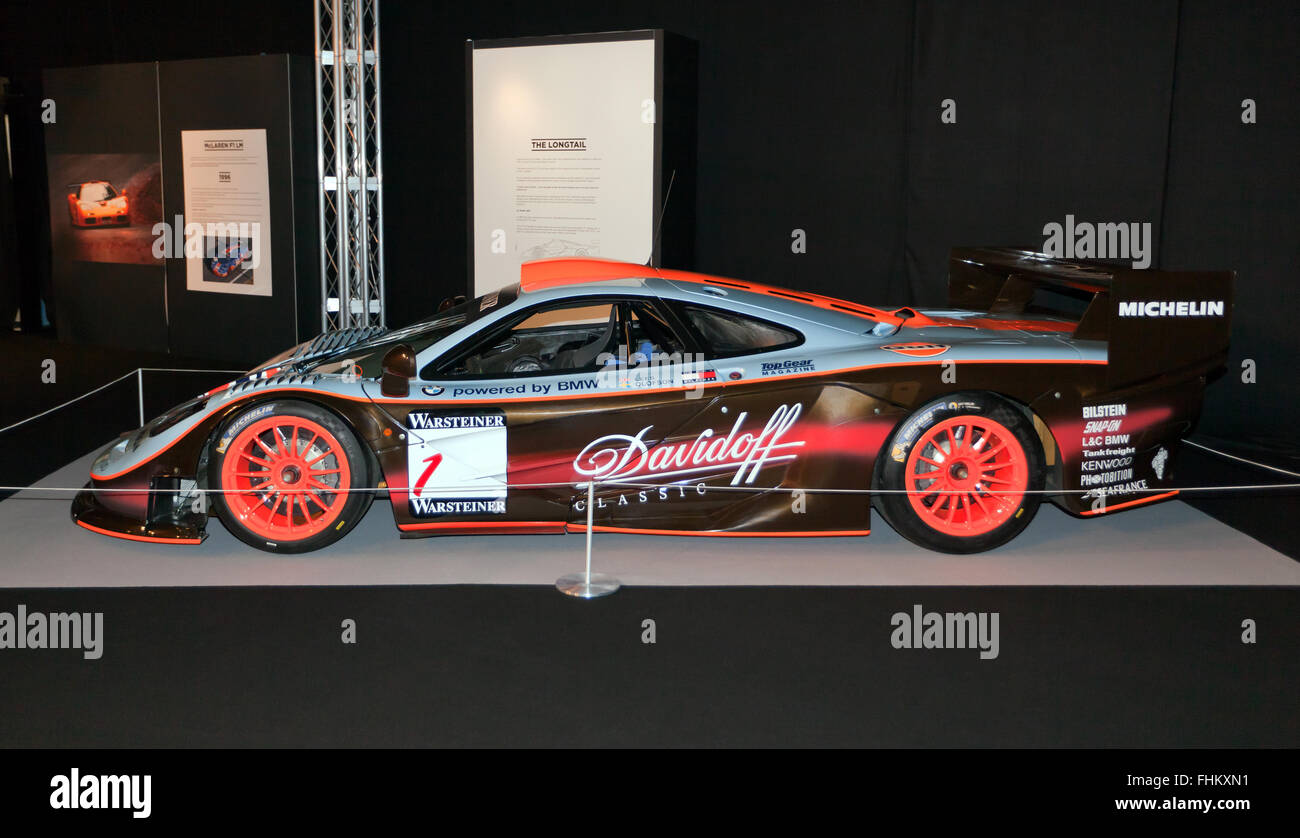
(1154, 322)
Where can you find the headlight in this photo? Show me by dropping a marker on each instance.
(176, 414)
(110, 454)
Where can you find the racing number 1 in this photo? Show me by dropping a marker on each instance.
(434, 460)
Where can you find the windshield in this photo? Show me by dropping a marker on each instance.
(420, 336)
(97, 192)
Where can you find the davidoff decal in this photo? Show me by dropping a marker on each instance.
(624, 457)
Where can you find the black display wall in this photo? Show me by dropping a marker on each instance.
(825, 117)
(124, 123)
(275, 92)
(104, 115)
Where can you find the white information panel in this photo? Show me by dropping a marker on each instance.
(227, 212)
(563, 154)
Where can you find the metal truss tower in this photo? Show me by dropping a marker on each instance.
(349, 149)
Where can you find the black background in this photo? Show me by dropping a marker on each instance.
(817, 116)
(500, 665)
(242, 93)
(825, 117)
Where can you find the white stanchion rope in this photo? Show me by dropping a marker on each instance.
(617, 484)
(123, 377)
(627, 484)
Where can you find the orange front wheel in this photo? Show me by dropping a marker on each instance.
(291, 476)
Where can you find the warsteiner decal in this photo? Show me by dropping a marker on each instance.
(456, 462)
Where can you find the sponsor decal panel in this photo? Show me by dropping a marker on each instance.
(456, 463)
(1107, 467)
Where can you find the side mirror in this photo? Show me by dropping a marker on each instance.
(399, 369)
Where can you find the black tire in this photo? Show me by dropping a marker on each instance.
(346, 508)
(985, 412)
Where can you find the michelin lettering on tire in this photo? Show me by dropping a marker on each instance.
(292, 477)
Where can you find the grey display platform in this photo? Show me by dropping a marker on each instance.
(1166, 544)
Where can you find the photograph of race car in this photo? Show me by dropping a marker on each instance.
(697, 405)
(97, 203)
(229, 262)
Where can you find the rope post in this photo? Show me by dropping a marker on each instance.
(139, 380)
(587, 585)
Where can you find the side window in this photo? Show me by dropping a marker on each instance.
(726, 333)
(649, 338)
(556, 340)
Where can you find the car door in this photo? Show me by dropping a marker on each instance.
(510, 425)
(810, 430)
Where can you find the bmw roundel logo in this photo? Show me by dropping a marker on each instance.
(431, 390)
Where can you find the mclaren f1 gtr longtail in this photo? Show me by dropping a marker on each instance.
(697, 405)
